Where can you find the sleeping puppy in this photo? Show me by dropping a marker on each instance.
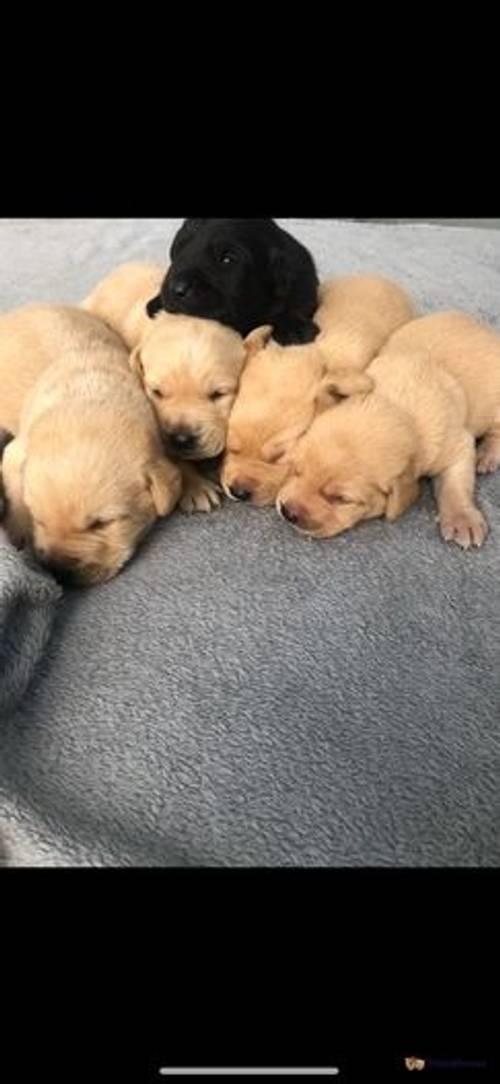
(120, 299)
(86, 476)
(356, 316)
(436, 389)
(243, 272)
(284, 388)
(189, 367)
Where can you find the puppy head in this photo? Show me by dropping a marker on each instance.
(89, 496)
(235, 270)
(355, 463)
(282, 390)
(190, 369)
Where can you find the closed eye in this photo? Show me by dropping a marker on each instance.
(100, 522)
(220, 393)
(277, 456)
(336, 498)
(97, 524)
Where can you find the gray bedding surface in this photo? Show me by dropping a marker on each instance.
(241, 696)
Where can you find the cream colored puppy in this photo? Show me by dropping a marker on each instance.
(120, 299)
(86, 476)
(356, 316)
(284, 388)
(189, 367)
(436, 389)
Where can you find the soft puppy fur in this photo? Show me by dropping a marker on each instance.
(436, 390)
(244, 273)
(284, 388)
(86, 475)
(120, 299)
(356, 316)
(189, 367)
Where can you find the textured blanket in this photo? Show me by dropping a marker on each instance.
(28, 601)
(242, 696)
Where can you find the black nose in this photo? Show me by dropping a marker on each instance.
(240, 494)
(64, 573)
(181, 286)
(289, 512)
(182, 441)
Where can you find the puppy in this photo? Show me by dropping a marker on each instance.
(121, 297)
(356, 316)
(242, 272)
(29, 344)
(283, 389)
(85, 477)
(436, 389)
(190, 370)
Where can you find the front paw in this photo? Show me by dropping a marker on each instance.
(200, 495)
(466, 527)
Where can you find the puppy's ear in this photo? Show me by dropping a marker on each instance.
(154, 306)
(341, 385)
(257, 339)
(164, 482)
(403, 492)
(135, 362)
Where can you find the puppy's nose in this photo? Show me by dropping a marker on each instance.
(292, 513)
(181, 286)
(63, 572)
(182, 441)
(240, 493)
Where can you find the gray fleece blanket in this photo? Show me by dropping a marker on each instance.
(241, 696)
(28, 600)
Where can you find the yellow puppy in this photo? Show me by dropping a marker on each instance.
(356, 316)
(29, 344)
(120, 299)
(190, 369)
(437, 389)
(283, 389)
(86, 476)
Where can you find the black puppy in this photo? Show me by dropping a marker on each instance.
(243, 272)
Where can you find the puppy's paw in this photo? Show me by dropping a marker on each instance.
(467, 527)
(488, 456)
(200, 495)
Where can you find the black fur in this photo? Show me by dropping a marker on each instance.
(243, 272)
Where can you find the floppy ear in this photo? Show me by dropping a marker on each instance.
(341, 385)
(257, 339)
(135, 362)
(164, 482)
(277, 449)
(403, 492)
